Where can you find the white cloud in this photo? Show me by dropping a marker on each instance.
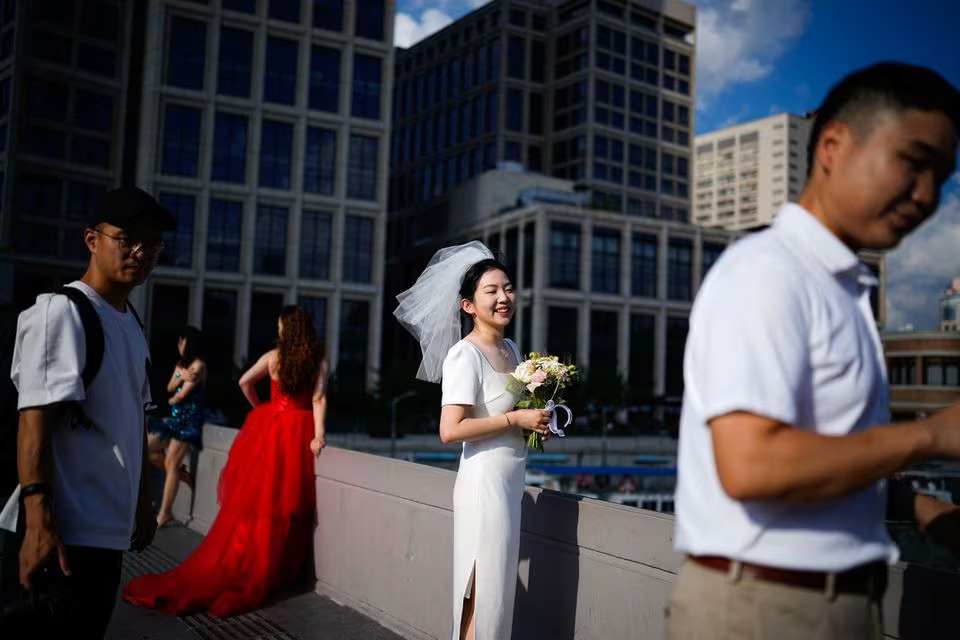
(923, 265)
(739, 42)
(408, 30)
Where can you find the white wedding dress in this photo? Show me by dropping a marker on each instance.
(487, 495)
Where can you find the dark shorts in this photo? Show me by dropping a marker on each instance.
(172, 429)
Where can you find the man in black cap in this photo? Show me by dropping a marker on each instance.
(81, 445)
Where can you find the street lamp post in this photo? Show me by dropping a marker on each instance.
(393, 420)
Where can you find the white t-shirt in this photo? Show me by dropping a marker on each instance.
(782, 328)
(96, 472)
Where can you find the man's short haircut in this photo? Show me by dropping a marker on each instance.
(896, 86)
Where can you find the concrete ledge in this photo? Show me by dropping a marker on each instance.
(588, 569)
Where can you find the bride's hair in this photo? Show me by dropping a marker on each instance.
(300, 351)
(471, 279)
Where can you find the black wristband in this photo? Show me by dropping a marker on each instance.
(35, 488)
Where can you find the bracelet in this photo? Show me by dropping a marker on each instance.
(507, 416)
(36, 488)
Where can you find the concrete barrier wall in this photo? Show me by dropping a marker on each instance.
(588, 569)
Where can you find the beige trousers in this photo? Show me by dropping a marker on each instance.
(711, 605)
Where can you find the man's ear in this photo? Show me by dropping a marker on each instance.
(90, 239)
(834, 135)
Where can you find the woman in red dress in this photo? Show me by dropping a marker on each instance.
(262, 534)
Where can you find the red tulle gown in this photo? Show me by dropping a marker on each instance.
(262, 535)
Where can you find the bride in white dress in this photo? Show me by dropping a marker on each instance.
(478, 410)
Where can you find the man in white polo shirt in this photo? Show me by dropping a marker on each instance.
(81, 449)
(780, 495)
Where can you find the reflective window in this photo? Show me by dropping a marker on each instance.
(181, 141)
(288, 10)
(562, 332)
(178, 244)
(97, 60)
(320, 160)
(316, 307)
(82, 198)
(276, 143)
(47, 99)
(564, 268)
(229, 148)
(604, 331)
(514, 106)
(90, 151)
(280, 75)
(358, 249)
(605, 262)
(246, 6)
(643, 340)
(99, 19)
(270, 241)
(676, 342)
(354, 335)
(187, 52)
(223, 235)
(324, 79)
(516, 57)
(370, 15)
(643, 265)
(679, 269)
(328, 14)
(235, 62)
(362, 168)
(366, 87)
(93, 110)
(46, 142)
(219, 328)
(315, 245)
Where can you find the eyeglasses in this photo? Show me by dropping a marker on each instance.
(150, 248)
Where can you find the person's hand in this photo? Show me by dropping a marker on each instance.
(944, 427)
(145, 528)
(531, 419)
(40, 542)
(317, 445)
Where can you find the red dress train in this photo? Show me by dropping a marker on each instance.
(262, 535)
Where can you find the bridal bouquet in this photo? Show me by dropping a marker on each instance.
(541, 381)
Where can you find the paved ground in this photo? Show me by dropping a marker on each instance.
(295, 615)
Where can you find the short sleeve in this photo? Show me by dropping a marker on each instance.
(461, 375)
(749, 345)
(49, 353)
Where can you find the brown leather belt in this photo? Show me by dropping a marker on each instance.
(868, 579)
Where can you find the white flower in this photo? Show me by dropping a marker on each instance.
(532, 387)
(524, 371)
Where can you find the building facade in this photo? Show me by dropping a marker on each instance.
(612, 293)
(263, 125)
(924, 372)
(595, 92)
(744, 173)
(68, 131)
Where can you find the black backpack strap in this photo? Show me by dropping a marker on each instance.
(92, 331)
(136, 316)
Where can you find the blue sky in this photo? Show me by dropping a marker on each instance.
(757, 57)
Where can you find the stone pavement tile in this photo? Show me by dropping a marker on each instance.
(297, 614)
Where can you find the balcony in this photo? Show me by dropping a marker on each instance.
(588, 569)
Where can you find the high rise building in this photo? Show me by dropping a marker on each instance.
(262, 124)
(744, 173)
(611, 292)
(595, 92)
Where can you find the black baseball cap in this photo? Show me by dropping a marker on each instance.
(132, 209)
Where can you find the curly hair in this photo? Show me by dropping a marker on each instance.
(300, 351)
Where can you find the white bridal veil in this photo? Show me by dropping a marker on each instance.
(430, 309)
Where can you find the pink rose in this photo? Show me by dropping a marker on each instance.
(540, 377)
